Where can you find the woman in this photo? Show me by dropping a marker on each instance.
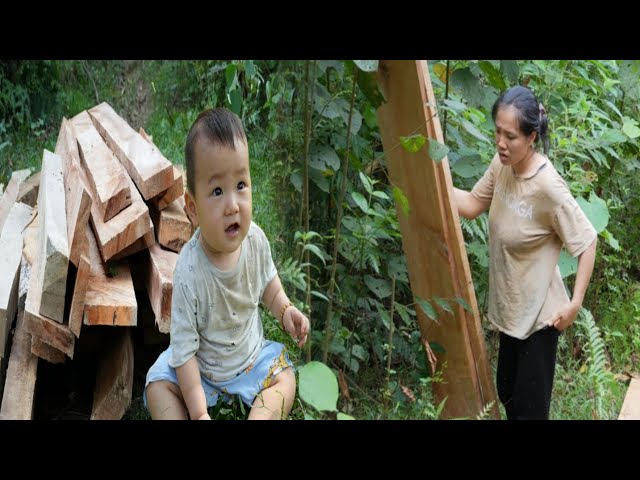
(532, 215)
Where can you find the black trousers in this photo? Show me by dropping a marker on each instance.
(525, 374)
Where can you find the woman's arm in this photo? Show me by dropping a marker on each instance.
(567, 315)
(468, 205)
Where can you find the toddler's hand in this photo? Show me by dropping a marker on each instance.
(297, 324)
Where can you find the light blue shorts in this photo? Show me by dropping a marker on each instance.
(272, 359)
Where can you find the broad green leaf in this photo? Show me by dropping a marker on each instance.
(426, 307)
(463, 303)
(510, 70)
(230, 75)
(322, 157)
(324, 64)
(437, 151)
(316, 251)
(360, 201)
(629, 73)
(401, 200)
(596, 211)
(493, 75)
(370, 87)
(465, 83)
(235, 101)
(443, 304)
(367, 65)
(473, 130)
(366, 183)
(318, 386)
(469, 166)
(613, 135)
(319, 179)
(630, 128)
(456, 106)
(568, 264)
(324, 103)
(359, 352)
(344, 416)
(380, 287)
(413, 143)
(380, 194)
(315, 293)
(611, 240)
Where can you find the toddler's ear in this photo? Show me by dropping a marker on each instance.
(190, 208)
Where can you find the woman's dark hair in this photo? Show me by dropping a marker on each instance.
(532, 116)
(218, 126)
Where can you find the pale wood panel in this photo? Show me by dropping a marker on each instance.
(432, 240)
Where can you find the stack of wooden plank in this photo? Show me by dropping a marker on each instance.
(67, 234)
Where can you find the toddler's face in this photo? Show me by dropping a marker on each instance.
(222, 195)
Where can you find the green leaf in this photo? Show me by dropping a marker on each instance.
(437, 151)
(380, 287)
(510, 70)
(628, 74)
(324, 64)
(456, 106)
(381, 195)
(315, 293)
(230, 75)
(359, 352)
(413, 143)
(318, 386)
(463, 303)
(437, 347)
(367, 65)
(630, 128)
(493, 75)
(467, 86)
(344, 416)
(366, 183)
(360, 201)
(468, 166)
(322, 157)
(235, 101)
(596, 211)
(473, 130)
(319, 179)
(316, 251)
(401, 200)
(443, 304)
(612, 136)
(426, 307)
(370, 87)
(296, 180)
(611, 240)
(568, 264)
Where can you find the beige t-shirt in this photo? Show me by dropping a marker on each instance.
(214, 313)
(529, 221)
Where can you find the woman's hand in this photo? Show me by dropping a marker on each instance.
(565, 316)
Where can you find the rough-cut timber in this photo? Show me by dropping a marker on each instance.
(432, 239)
(114, 380)
(159, 283)
(11, 193)
(631, 406)
(173, 228)
(11, 241)
(110, 300)
(45, 351)
(53, 241)
(107, 178)
(150, 170)
(28, 193)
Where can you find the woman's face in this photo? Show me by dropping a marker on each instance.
(513, 145)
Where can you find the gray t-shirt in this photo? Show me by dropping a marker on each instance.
(529, 221)
(214, 313)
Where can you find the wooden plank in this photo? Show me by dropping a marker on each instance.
(76, 313)
(432, 239)
(54, 333)
(159, 283)
(11, 193)
(172, 193)
(173, 228)
(107, 178)
(114, 379)
(42, 349)
(77, 195)
(10, 255)
(28, 193)
(109, 300)
(19, 386)
(631, 406)
(126, 227)
(142, 243)
(54, 246)
(150, 170)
